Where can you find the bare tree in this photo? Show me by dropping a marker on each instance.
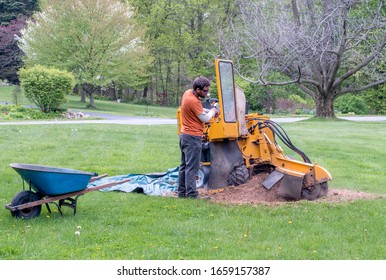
(328, 48)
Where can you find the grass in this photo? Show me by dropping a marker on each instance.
(6, 94)
(107, 107)
(354, 152)
(126, 109)
(134, 226)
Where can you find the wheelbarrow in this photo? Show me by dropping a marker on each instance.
(47, 185)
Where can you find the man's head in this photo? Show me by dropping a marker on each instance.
(201, 86)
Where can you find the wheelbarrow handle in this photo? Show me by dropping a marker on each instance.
(64, 196)
(97, 177)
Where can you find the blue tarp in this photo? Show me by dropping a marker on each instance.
(155, 184)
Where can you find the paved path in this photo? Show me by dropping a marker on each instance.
(133, 120)
(116, 119)
(366, 119)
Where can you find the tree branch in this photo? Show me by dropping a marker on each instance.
(358, 90)
(364, 63)
(339, 54)
(307, 91)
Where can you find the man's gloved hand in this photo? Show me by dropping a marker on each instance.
(216, 112)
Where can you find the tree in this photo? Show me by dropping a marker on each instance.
(171, 43)
(10, 54)
(327, 48)
(12, 9)
(13, 15)
(93, 39)
(181, 36)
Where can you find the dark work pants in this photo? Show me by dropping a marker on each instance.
(190, 163)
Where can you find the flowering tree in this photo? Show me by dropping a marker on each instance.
(97, 40)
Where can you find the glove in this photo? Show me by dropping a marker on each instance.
(216, 112)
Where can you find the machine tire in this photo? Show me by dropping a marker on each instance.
(25, 197)
(239, 175)
(315, 192)
(200, 178)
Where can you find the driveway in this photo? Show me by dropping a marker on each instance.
(123, 120)
(117, 119)
(366, 119)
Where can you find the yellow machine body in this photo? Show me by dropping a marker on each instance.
(241, 145)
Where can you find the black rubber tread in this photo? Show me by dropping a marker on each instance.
(315, 192)
(25, 197)
(238, 176)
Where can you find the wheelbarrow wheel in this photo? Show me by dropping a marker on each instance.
(26, 197)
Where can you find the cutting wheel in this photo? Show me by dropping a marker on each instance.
(316, 191)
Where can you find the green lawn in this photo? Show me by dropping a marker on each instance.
(134, 226)
(107, 107)
(6, 94)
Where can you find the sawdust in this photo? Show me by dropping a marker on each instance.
(253, 192)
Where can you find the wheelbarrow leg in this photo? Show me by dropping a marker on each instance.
(57, 206)
(69, 202)
(48, 208)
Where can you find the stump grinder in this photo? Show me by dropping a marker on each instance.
(237, 146)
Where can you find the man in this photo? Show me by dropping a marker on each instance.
(193, 117)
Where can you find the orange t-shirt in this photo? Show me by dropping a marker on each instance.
(191, 107)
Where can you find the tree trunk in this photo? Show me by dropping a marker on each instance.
(91, 91)
(295, 11)
(82, 93)
(113, 93)
(92, 103)
(145, 92)
(325, 106)
(178, 82)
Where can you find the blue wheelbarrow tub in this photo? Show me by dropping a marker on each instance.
(53, 181)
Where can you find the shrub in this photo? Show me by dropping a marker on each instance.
(285, 106)
(351, 103)
(46, 87)
(142, 101)
(297, 99)
(375, 98)
(18, 112)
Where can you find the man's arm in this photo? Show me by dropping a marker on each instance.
(207, 115)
